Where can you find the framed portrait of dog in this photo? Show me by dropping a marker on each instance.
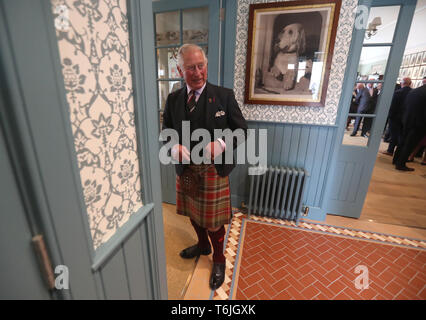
(289, 53)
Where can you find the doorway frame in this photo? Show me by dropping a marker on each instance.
(392, 69)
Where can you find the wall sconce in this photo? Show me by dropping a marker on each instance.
(372, 28)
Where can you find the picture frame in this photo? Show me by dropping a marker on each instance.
(406, 60)
(422, 72)
(413, 59)
(419, 58)
(414, 74)
(289, 52)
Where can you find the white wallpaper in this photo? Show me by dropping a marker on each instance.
(295, 114)
(93, 43)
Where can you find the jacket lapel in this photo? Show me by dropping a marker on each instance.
(211, 106)
(180, 107)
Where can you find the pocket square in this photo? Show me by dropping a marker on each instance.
(219, 113)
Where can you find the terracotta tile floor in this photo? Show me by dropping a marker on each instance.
(280, 262)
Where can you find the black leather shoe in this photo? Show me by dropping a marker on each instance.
(353, 134)
(194, 251)
(218, 275)
(403, 168)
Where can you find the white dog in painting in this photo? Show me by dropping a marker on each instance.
(290, 45)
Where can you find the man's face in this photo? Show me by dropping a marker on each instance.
(194, 69)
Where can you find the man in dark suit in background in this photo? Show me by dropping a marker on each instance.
(208, 107)
(395, 115)
(374, 95)
(414, 126)
(362, 100)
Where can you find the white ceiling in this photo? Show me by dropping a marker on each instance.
(416, 39)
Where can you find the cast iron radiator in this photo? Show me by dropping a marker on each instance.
(277, 192)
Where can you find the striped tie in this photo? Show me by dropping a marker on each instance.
(191, 101)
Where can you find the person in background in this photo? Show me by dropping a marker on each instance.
(374, 94)
(386, 131)
(352, 108)
(362, 100)
(414, 126)
(421, 145)
(396, 112)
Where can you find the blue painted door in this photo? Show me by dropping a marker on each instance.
(356, 154)
(178, 22)
(76, 113)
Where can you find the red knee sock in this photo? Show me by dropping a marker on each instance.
(217, 239)
(203, 239)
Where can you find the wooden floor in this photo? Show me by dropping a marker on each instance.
(396, 197)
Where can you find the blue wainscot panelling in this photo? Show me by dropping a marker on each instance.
(292, 145)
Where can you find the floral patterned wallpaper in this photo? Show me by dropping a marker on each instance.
(293, 114)
(93, 43)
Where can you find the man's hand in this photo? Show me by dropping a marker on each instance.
(180, 152)
(213, 149)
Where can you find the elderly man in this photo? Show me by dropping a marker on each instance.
(396, 112)
(414, 126)
(209, 107)
(362, 100)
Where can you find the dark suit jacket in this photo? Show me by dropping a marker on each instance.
(396, 109)
(372, 102)
(217, 99)
(415, 110)
(362, 100)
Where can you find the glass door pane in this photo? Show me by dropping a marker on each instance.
(381, 24)
(372, 67)
(196, 25)
(167, 28)
(101, 114)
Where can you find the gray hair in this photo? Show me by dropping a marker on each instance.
(188, 47)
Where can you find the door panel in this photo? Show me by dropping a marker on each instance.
(130, 262)
(20, 277)
(357, 155)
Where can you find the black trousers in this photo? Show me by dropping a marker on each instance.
(407, 144)
(395, 129)
(366, 125)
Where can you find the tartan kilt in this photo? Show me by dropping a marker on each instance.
(212, 208)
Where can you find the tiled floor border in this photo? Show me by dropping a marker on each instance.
(234, 240)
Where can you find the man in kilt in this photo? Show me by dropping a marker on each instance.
(208, 107)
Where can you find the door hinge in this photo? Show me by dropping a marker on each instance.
(44, 261)
(222, 14)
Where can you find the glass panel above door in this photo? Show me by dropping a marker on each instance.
(381, 24)
(195, 25)
(167, 28)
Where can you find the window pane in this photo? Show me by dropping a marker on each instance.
(105, 144)
(360, 138)
(195, 25)
(166, 87)
(381, 24)
(167, 63)
(372, 64)
(167, 28)
(365, 99)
